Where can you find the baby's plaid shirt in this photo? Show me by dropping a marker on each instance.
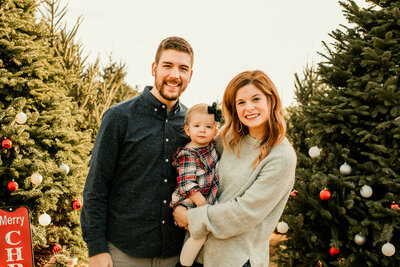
(197, 171)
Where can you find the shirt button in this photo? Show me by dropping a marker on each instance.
(166, 140)
(162, 221)
(166, 120)
(165, 201)
(155, 109)
(165, 180)
(166, 160)
(163, 106)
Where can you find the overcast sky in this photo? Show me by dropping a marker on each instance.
(228, 37)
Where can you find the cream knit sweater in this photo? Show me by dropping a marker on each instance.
(250, 205)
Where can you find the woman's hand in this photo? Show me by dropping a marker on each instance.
(180, 216)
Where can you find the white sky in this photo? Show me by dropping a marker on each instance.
(228, 36)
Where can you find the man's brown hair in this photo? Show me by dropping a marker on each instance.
(174, 43)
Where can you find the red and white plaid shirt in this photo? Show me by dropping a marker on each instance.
(197, 171)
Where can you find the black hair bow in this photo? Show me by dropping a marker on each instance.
(213, 110)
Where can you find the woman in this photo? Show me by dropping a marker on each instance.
(256, 171)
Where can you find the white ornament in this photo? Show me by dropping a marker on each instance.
(359, 239)
(44, 219)
(345, 169)
(21, 118)
(366, 191)
(388, 249)
(282, 227)
(64, 168)
(36, 178)
(314, 152)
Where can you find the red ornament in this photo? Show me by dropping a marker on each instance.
(6, 143)
(394, 206)
(325, 194)
(334, 251)
(12, 186)
(294, 193)
(76, 204)
(55, 249)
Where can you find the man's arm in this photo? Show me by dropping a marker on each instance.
(98, 182)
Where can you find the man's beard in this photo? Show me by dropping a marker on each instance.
(161, 89)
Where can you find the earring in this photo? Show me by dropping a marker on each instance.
(240, 126)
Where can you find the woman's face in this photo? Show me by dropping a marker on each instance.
(252, 110)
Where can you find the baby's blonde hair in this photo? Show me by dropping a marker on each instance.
(198, 108)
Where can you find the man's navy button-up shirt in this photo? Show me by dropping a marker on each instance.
(131, 179)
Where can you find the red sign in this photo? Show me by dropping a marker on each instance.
(15, 237)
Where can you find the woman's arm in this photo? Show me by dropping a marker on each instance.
(241, 214)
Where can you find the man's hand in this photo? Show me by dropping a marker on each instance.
(101, 260)
(180, 216)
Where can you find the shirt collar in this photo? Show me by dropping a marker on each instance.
(157, 103)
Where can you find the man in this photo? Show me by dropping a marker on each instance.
(125, 216)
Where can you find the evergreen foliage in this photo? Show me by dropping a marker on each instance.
(93, 88)
(306, 87)
(32, 81)
(354, 118)
(43, 73)
(102, 87)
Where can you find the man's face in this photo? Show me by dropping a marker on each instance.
(172, 74)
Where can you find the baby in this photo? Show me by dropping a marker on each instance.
(196, 163)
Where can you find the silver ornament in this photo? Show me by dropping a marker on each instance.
(64, 168)
(314, 152)
(21, 118)
(366, 191)
(36, 178)
(44, 219)
(388, 249)
(359, 239)
(282, 227)
(345, 169)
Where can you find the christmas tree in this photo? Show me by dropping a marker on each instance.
(345, 210)
(93, 88)
(43, 157)
(306, 87)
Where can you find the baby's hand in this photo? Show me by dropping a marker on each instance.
(198, 199)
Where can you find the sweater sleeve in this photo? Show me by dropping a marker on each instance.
(242, 213)
(97, 186)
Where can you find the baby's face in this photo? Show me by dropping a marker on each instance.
(202, 129)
